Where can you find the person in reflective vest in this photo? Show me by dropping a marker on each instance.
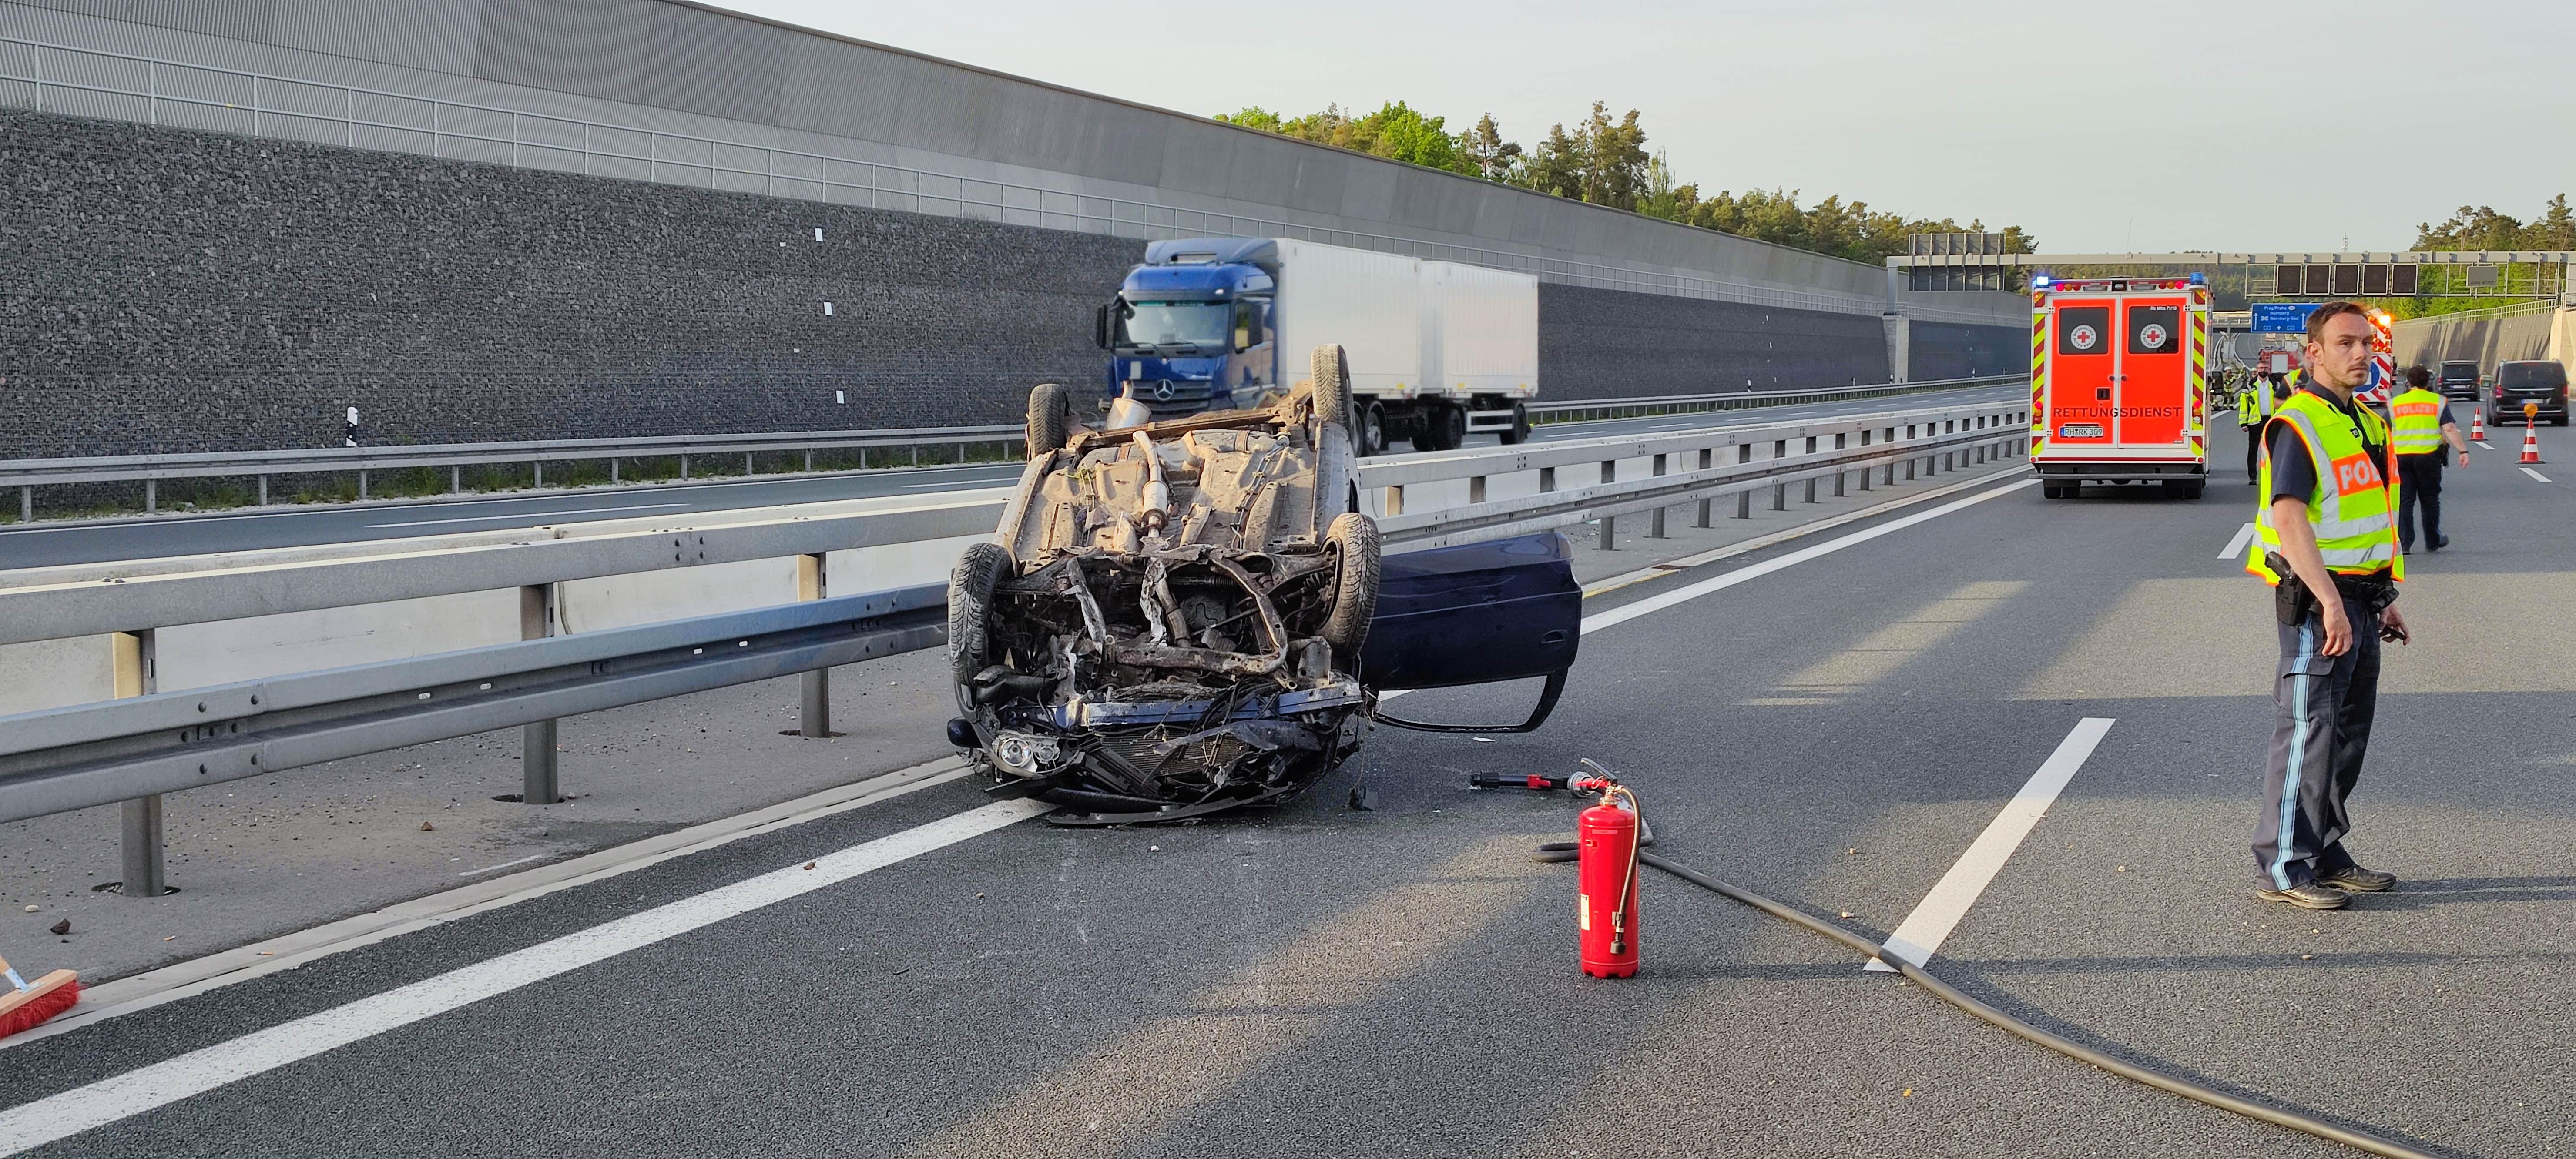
(2420, 426)
(2253, 409)
(2326, 514)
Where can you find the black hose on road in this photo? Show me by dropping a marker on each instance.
(2358, 1140)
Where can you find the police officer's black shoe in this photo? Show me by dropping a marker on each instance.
(2355, 879)
(2308, 895)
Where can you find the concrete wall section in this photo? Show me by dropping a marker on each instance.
(167, 291)
(674, 68)
(1613, 343)
(1944, 350)
(2488, 340)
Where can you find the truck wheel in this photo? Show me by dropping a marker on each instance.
(1050, 419)
(1331, 370)
(1427, 425)
(1453, 427)
(1371, 430)
(1519, 431)
(970, 607)
(1351, 541)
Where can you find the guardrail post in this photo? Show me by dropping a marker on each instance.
(536, 480)
(1547, 478)
(684, 466)
(133, 662)
(1838, 475)
(362, 484)
(814, 709)
(809, 459)
(1395, 500)
(1655, 526)
(27, 500)
(455, 480)
(1780, 492)
(612, 468)
(538, 779)
(1707, 459)
(1476, 489)
(1865, 470)
(1609, 474)
(151, 496)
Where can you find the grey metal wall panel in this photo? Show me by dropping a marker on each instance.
(592, 47)
(703, 62)
(438, 35)
(1197, 158)
(830, 89)
(238, 19)
(1368, 191)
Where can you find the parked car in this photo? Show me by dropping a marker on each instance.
(1193, 615)
(2517, 383)
(2458, 378)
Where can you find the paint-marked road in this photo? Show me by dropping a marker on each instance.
(2535, 474)
(2236, 546)
(1932, 921)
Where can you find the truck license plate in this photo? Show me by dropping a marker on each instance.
(2080, 431)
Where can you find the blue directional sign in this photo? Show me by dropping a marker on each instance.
(2282, 317)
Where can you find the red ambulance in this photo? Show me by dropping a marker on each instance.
(2117, 375)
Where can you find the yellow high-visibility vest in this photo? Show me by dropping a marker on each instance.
(2353, 506)
(2416, 428)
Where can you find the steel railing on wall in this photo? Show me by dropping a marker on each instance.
(193, 96)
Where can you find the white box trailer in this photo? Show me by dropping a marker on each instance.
(1436, 350)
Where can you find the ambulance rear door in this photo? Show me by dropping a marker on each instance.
(2151, 377)
(2081, 369)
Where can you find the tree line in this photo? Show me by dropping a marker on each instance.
(1604, 161)
(2479, 227)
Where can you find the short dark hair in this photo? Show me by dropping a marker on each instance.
(2418, 376)
(2328, 312)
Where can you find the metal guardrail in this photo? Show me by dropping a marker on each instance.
(28, 474)
(1685, 467)
(134, 749)
(1596, 409)
(121, 750)
(320, 112)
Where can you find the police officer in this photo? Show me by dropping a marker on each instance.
(2326, 513)
(2253, 409)
(2422, 423)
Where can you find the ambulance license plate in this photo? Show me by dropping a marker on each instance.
(2080, 431)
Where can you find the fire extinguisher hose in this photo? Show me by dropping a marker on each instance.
(2358, 1140)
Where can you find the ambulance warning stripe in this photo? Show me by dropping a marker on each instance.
(2038, 380)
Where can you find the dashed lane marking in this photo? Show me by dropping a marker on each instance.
(2236, 546)
(1932, 921)
(2535, 474)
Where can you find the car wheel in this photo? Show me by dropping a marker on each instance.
(1050, 419)
(1351, 541)
(1331, 372)
(970, 607)
(2192, 490)
(1372, 430)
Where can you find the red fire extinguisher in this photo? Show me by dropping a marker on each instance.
(1606, 867)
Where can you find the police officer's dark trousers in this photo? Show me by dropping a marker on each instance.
(2325, 707)
(2419, 484)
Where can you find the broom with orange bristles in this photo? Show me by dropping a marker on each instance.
(27, 1005)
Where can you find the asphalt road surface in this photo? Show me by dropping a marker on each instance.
(143, 538)
(1837, 722)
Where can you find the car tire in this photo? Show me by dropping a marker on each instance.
(1369, 430)
(1331, 371)
(1352, 543)
(970, 607)
(2191, 490)
(1050, 419)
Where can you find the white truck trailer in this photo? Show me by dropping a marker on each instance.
(1437, 350)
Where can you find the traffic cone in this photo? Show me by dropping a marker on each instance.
(2531, 443)
(2478, 426)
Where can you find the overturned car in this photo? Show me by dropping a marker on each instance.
(1180, 617)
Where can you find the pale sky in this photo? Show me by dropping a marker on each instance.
(2099, 127)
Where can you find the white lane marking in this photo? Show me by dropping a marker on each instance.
(528, 515)
(196, 1072)
(2244, 535)
(2486, 444)
(1666, 569)
(259, 959)
(2535, 474)
(948, 483)
(1932, 921)
(1662, 600)
(504, 865)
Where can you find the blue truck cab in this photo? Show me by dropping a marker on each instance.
(1191, 330)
